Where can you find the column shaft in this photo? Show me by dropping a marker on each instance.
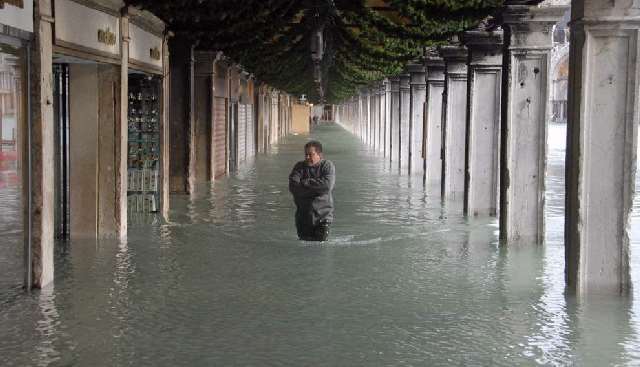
(122, 131)
(416, 119)
(454, 120)
(525, 92)
(394, 127)
(386, 134)
(165, 134)
(602, 133)
(42, 150)
(433, 120)
(483, 122)
(180, 102)
(403, 110)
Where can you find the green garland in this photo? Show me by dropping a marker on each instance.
(271, 38)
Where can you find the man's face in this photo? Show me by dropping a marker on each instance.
(311, 156)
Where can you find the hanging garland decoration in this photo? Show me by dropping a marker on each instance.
(362, 45)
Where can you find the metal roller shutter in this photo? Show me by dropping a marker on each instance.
(242, 131)
(219, 136)
(251, 141)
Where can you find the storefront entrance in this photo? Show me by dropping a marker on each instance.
(144, 154)
(85, 117)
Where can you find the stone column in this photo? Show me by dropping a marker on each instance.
(416, 118)
(394, 126)
(204, 77)
(454, 120)
(404, 112)
(386, 118)
(374, 116)
(111, 205)
(122, 130)
(180, 112)
(41, 213)
(602, 133)
(433, 119)
(381, 117)
(192, 137)
(165, 134)
(525, 94)
(367, 116)
(483, 122)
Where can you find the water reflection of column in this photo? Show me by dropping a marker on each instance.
(603, 324)
(46, 352)
(520, 290)
(92, 304)
(120, 300)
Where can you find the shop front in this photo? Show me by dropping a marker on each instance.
(16, 26)
(87, 74)
(146, 122)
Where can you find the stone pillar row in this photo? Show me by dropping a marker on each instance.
(484, 128)
(470, 119)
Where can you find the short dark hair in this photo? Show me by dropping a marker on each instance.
(314, 143)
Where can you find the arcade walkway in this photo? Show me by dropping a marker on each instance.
(404, 280)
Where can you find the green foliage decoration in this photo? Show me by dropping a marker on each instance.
(363, 43)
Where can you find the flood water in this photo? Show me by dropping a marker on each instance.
(404, 280)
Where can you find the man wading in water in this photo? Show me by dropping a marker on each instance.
(311, 182)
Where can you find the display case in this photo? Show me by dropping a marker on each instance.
(144, 144)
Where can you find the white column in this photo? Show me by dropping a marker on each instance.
(404, 142)
(165, 135)
(527, 38)
(369, 116)
(374, 116)
(416, 118)
(433, 119)
(394, 131)
(602, 134)
(380, 103)
(386, 119)
(122, 130)
(454, 120)
(483, 122)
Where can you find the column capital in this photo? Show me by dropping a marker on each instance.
(483, 39)
(404, 81)
(485, 47)
(453, 53)
(531, 26)
(613, 12)
(417, 72)
(395, 84)
(455, 59)
(527, 16)
(386, 84)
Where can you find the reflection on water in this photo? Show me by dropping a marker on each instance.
(404, 280)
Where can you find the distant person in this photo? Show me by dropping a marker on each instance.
(311, 182)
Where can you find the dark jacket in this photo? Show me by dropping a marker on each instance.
(312, 189)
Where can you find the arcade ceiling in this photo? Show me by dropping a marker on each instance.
(325, 49)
